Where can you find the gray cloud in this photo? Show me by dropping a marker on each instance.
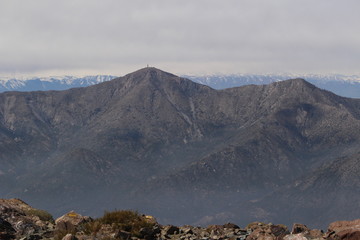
(108, 36)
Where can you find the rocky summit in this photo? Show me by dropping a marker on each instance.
(18, 220)
(184, 152)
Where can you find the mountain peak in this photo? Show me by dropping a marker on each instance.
(150, 72)
(296, 83)
(292, 86)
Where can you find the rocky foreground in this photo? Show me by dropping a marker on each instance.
(18, 220)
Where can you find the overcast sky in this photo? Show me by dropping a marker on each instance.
(42, 37)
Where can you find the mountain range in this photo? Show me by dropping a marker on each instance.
(185, 152)
(346, 86)
(49, 83)
(343, 85)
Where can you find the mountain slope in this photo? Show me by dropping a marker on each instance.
(165, 145)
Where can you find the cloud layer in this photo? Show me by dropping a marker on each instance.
(203, 36)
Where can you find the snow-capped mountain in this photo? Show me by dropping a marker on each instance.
(50, 83)
(343, 85)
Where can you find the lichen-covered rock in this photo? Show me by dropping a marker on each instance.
(70, 221)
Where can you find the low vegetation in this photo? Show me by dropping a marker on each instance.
(122, 220)
(42, 214)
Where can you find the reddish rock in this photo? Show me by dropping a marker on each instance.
(349, 235)
(349, 230)
(344, 225)
(316, 233)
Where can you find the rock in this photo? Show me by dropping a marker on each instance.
(70, 221)
(266, 231)
(171, 230)
(123, 235)
(298, 236)
(149, 233)
(69, 236)
(150, 219)
(33, 237)
(259, 234)
(215, 230)
(186, 230)
(316, 233)
(349, 235)
(279, 231)
(344, 225)
(5, 226)
(27, 222)
(231, 225)
(349, 230)
(156, 229)
(6, 230)
(299, 228)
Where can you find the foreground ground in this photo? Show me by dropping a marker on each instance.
(18, 220)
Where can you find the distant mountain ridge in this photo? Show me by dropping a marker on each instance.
(50, 83)
(343, 85)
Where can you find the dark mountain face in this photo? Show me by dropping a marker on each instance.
(176, 149)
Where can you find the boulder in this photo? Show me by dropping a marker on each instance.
(149, 232)
(279, 231)
(349, 230)
(26, 222)
(344, 225)
(171, 230)
(299, 228)
(7, 232)
(70, 221)
(316, 234)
